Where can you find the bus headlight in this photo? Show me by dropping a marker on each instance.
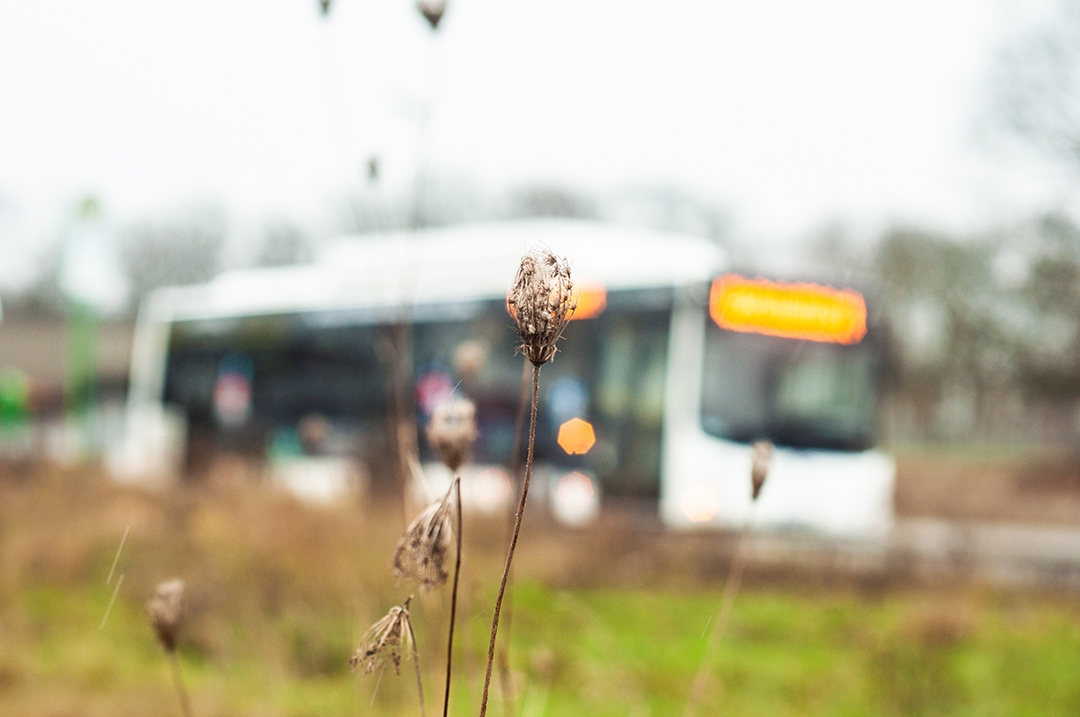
(576, 500)
(699, 504)
(491, 490)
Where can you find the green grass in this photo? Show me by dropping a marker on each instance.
(581, 652)
(918, 653)
(280, 595)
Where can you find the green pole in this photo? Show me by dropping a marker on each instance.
(82, 335)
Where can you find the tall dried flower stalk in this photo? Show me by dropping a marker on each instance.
(395, 350)
(760, 461)
(166, 612)
(503, 656)
(456, 487)
(451, 432)
(384, 641)
(541, 301)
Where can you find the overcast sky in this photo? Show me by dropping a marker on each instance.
(790, 114)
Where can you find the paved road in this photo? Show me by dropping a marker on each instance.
(1001, 553)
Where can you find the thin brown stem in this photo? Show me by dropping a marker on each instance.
(416, 663)
(519, 429)
(513, 540)
(505, 683)
(453, 596)
(178, 681)
(727, 601)
(397, 352)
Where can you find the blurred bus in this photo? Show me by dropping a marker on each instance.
(652, 396)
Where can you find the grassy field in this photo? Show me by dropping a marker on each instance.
(281, 593)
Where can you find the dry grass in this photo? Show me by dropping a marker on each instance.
(608, 621)
(1025, 487)
(269, 581)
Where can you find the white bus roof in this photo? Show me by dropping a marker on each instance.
(464, 263)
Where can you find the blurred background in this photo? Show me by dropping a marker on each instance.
(926, 152)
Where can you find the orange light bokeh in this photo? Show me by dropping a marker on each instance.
(795, 311)
(576, 436)
(591, 301)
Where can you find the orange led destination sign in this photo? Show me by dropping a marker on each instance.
(794, 311)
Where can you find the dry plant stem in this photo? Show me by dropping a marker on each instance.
(727, 601)
(505, 683)
(402, 418)
(519, 427)
(453, 596)
(513, 539)
(178, 680)
(416, 666)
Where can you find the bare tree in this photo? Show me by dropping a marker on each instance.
(183, 250)
(42, 296)
(284, 243)
(550, 201)
(1004, 309)
(1035, 86)
(446, 201)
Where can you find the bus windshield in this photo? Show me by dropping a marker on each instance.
(797, 393)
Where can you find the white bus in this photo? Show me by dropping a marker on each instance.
(671, 368)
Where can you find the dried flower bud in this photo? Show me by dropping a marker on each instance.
(423, 550)
(760, 459)
(325, 5)
(469, 358)
(452, 430)
(432, 10)
(384, 640)
(541, 302)
(166, 611)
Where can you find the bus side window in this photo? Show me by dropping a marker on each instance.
(630, 402)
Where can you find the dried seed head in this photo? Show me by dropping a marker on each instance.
(452, 430)
(432, 10)
(166, 611)
(760, 460)
(423, 550)
(470, 357)
(384, 640)
(541, 302)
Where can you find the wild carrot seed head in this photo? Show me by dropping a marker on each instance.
(423, 551)
(541, 302)
(384, 641)
(452, 430)
(166, 612)
(432, 10)
(760, 460)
